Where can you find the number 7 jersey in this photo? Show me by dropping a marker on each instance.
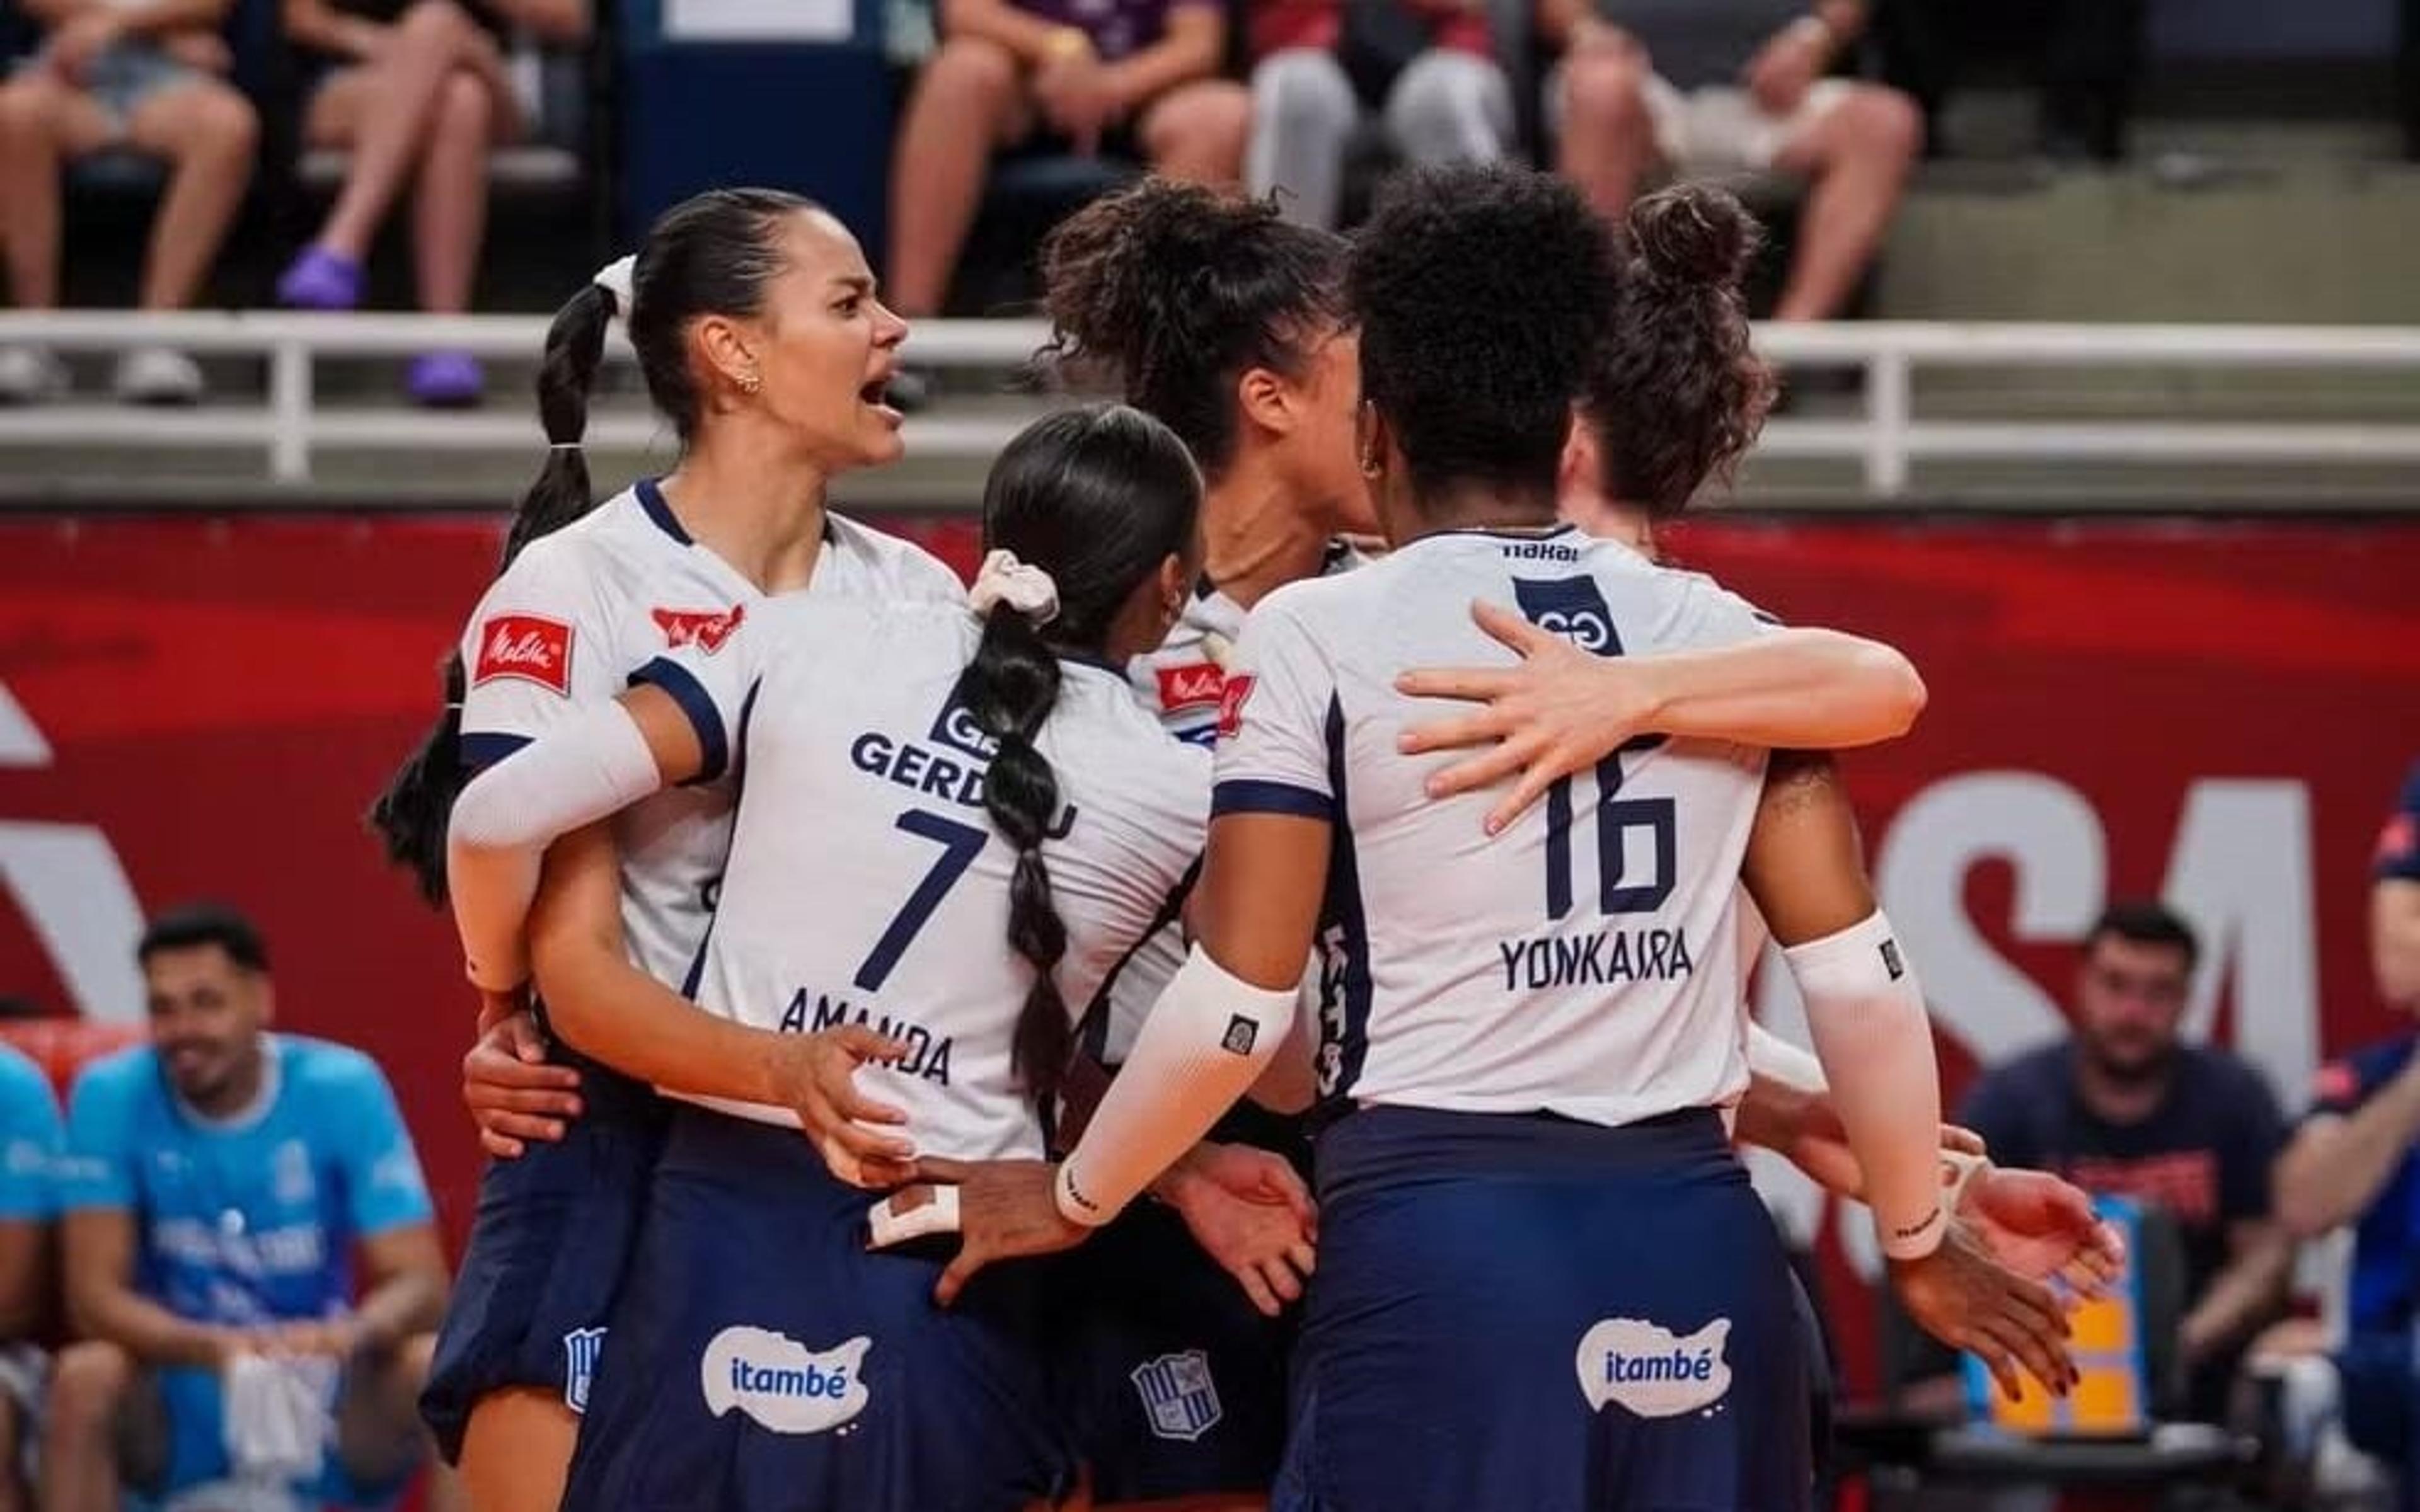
(865, 883)
(1585, 961)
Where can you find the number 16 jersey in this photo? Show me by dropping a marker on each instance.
(866, 884)
(1585, 961)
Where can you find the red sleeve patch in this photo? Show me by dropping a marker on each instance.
(2399, 841)
(1232, 699)
(2336, 1083)
(705, 628)
(528, 646)
(1198, 684)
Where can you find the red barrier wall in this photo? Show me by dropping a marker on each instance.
(2220, 710)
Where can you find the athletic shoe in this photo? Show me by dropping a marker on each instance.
(158, 375)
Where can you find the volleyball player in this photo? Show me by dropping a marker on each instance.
(1528, 1174)
(953, 829)
(1217, 316)
(760, 337)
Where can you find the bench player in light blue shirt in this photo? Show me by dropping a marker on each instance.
(29, 1144)
(217, 1185)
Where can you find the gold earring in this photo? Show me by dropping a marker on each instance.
(750, 383)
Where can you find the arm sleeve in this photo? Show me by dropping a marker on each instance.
(538, 648)
(712, 683)
(98, 1170)
(31, 1139)
(383, 1187)
(1273, 723)
(2399, 842)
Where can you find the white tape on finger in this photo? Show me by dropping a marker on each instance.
(892, 1226)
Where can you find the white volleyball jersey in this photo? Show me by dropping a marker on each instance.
(866, 884)
(582, 610)
(1180, 682)
(1585, 961)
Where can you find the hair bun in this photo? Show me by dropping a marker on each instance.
(1694, 235)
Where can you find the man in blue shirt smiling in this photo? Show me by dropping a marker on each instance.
(217, 1184)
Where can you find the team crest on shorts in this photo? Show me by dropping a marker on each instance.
(1178, 1394)
(580, 1348)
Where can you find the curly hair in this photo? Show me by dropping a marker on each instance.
(1484, 295)
(1172, 291)
(1679, 397)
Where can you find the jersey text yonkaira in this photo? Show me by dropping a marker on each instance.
(1585, 961)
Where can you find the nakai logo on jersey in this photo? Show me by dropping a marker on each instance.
(1231, 699)
(1194, 686)
(706, 628)
(528, 646)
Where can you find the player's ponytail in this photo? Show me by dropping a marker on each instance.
(1080, 512)
(1679, 395)
(1011, 688)
(1172, 291)
(713, 253)
(410, 816)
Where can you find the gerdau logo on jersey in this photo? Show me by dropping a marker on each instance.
(951, 767)
(1573, 608)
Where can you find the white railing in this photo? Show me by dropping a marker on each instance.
(1886, 438)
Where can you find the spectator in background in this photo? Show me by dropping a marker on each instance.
(1099, 74)
(216, 1184)
(2125, 1108)
(145, 77)
(1710, 87)
(29, 1146)
(2356, 1159)
(412, 88)
(1431, 61)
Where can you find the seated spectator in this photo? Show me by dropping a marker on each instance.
(1446, 101)
(1704, 88)
(147, 78)
(216, 1184)
(414, 89)
(2125, 1108)
(2356, 1159)
(1121, 76)
(29, 1146)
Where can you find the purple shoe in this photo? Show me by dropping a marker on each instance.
(446, 381)
(320, 280)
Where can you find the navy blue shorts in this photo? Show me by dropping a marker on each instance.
(1522, 1311)
(554, 1233)
(1172, 1383)
(766, 1360)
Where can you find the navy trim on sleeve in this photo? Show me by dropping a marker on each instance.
(687, 691)
(477, 752)
(1246, 795)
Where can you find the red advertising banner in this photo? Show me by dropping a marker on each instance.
(2218, 711)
